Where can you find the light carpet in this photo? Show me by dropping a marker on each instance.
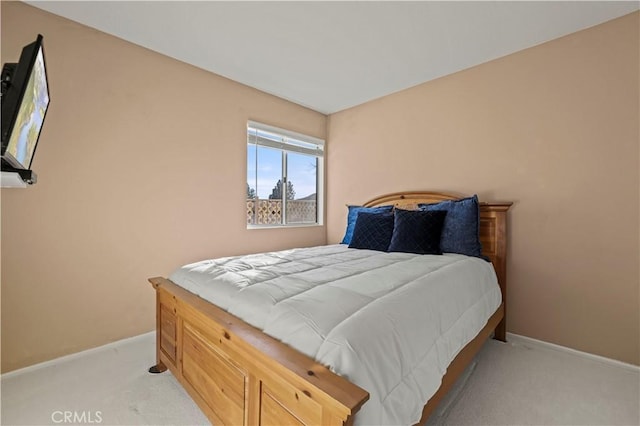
(508, 384)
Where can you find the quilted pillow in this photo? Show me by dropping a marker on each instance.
(373, 231)
(417, 231)
(353, 214)
(461, 231)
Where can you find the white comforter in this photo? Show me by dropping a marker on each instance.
(389, 322)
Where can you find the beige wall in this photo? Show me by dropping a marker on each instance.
(137, 153)
(555, 130)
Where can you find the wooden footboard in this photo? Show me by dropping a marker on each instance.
(239, 376)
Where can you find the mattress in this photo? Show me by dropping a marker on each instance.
(389, 322)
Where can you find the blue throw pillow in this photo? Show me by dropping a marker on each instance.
(373, 231)
(353, 214)
(417, 231)
(461, 232)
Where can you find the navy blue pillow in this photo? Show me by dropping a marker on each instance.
(461, 232)
(373, 231)
(353, 214)
(417, 231)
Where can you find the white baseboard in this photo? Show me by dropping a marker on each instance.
(516, 338)
(511, 337)
(62, 359)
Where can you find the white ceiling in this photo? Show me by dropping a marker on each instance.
(329, 56)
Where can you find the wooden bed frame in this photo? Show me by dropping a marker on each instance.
(240, 376)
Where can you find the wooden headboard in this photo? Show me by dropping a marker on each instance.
(493, 224)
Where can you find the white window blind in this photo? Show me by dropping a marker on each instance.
(264, 135)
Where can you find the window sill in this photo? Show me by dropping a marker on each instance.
(300, 225)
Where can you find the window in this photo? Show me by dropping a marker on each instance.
(284, 177)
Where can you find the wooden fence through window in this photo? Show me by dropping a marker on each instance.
(269, 212)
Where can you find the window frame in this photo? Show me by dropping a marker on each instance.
(315, 147)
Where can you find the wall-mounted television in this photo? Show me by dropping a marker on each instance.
(25, 100)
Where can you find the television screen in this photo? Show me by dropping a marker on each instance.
(25, 107)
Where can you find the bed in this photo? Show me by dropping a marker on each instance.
(238, 374)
